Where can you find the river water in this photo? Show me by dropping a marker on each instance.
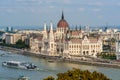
(46, 68)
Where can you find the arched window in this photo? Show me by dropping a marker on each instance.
(87, 52)
(83, 52)
(62, 50)
(57, 50)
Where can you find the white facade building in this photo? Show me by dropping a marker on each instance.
(118, 50)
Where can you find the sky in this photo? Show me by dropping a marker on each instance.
(76, 12)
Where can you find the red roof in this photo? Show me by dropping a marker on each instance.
(62, 24)
(79, 41)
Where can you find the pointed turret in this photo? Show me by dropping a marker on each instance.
(51, 32)
(45, 27)
(51, 26)
(45, 31)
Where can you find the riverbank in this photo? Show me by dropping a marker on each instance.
(110, 64)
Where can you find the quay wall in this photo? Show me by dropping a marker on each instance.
(56, 58)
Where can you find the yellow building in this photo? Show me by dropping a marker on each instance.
(13, 38)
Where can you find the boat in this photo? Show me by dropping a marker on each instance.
(20, 65)
(23, 78)
(51, 61)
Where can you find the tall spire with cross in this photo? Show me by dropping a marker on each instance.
(62, 15)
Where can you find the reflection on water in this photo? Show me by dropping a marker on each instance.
(46, 68)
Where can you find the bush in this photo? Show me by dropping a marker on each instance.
(107, 55)
(19, 44)
(77, 74)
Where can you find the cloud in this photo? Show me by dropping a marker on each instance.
(32, 10)
(92, 3)
(67, 1)
(27, 0)
(96, 3)
(100, 17)
(30, 1)
(51, 7)
(51, 1)
(9, 10)
(96, 10)
(81, 9)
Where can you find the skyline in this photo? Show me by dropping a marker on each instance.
(79, 12)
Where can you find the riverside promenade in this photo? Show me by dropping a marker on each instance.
(94, 62)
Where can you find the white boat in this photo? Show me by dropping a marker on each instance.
(19, 65)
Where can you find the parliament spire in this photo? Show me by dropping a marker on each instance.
(62, 15)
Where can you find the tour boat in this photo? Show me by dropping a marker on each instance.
(19, 65)
(51, 61)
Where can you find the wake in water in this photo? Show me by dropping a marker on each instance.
(47, 70)
(7, 78)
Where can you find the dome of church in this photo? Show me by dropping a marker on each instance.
(62, 23)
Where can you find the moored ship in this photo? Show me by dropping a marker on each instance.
(20, 65)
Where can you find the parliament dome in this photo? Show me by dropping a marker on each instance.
(62, 23)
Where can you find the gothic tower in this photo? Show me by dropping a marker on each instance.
(45, 32)
(51, 41)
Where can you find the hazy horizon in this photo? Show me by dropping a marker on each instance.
(71, 27)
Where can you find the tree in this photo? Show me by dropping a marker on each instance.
(49, 78)
(19, 42)
(107, 55)
(77, 74)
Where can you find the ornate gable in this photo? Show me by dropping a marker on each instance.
(85, 40)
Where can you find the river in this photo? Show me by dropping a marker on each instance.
(46, 68)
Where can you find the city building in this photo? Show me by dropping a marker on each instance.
(27, 32)
(9, 29)
(64, 42)
(118, 50)
(11, 38)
